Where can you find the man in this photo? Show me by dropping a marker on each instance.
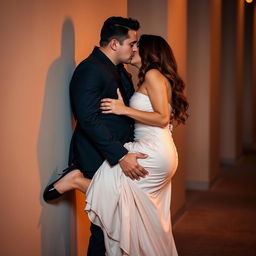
(97, 136)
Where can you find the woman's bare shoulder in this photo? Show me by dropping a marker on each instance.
(154, 77)
(153, 74)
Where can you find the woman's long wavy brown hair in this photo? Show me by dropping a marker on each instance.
(155, 53)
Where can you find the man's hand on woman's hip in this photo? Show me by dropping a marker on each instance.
(130, 166)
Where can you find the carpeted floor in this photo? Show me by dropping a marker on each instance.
(221, 221)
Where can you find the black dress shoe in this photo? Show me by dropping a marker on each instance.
(50, 193)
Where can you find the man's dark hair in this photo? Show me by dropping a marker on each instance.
(118, 28)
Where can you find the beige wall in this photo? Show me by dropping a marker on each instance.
(151, 14)
(153, 20)
(40, 43)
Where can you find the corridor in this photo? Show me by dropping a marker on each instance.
(221, 221)
(214, 44)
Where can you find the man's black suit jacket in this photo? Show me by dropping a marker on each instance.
(98, 136)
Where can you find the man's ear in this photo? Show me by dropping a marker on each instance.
(114, 44)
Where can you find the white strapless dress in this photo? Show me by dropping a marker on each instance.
(135, 215)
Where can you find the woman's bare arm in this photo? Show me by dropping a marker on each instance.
(156, 85)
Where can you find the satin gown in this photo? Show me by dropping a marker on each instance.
(135, 215)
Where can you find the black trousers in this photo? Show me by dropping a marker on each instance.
(96, 243)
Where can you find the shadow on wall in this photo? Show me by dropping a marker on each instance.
(53, 146)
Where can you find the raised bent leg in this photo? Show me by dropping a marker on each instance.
(73, 180)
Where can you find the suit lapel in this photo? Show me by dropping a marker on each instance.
(127, 84)
(120, 74)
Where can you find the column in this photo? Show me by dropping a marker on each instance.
(202, 137)
(232, 77)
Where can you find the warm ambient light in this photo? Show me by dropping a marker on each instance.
(249, 1)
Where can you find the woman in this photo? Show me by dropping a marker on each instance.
(135, 214)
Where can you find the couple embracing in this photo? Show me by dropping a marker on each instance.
(122, 154)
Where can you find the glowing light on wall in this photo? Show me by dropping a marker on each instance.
(249, 1)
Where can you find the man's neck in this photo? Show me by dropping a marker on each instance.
(109, 54)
